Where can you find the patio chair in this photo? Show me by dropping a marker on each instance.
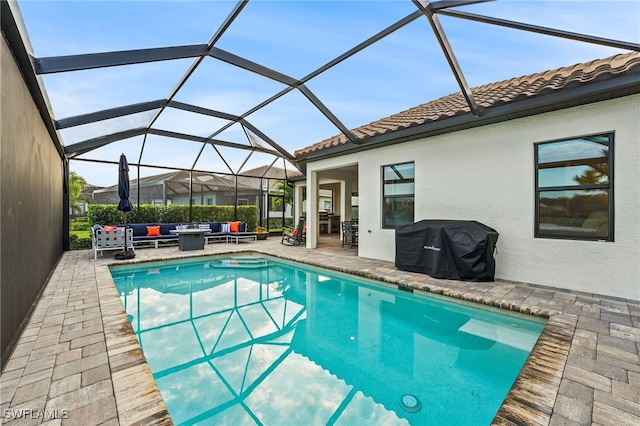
(349, 233)
(110, 238)
(296, 235)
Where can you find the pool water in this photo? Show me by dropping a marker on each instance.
(254, 340)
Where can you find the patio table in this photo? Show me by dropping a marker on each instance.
(190, 239)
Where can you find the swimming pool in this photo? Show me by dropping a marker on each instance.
(255, 340)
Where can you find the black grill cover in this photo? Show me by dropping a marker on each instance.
(449, 249)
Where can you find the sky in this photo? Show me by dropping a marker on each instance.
(403, 70)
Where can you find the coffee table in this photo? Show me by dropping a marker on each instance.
(190, 239)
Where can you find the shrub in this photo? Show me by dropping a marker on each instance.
(77, 243)
(108, 214)
(104, 214)
(79, 224)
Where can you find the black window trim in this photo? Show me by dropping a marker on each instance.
(609, 186)
(401, 179)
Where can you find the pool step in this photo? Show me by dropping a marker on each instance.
(515, 337)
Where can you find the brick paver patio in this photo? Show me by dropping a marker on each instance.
(78, 361)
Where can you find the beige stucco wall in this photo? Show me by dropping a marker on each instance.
(487, 174)
(31, 199)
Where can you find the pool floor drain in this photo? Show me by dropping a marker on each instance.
(410, 403)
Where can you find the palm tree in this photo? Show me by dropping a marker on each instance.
(282, 188)
(76, 185)
(598, 173)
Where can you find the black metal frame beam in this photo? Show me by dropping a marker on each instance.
(371, 40)
(91, 144)
(203, 139)
(425, 8)
(75, 62)
(155, 166)
(446, 4)
(253, 67)
(56, 64)
(203, 111)
(327, 113)
(283, 152)
(216, 36)
(543, 30)
(107, 114)
(449, 54)
(284, 79)
(368, 42)
(137, 108)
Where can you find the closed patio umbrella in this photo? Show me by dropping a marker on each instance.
(124, 205)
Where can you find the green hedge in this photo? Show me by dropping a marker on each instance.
(108, 214)
(77, 243)
(79, 224)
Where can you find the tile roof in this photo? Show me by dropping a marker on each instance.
(488, 96)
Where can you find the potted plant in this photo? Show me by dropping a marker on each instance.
(262, 234)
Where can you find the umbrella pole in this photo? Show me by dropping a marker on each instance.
(126, 242)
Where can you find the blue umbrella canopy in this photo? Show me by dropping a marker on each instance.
(124, 205)
(123, 185)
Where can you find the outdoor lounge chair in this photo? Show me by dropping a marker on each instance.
(109, 239)
(296, 235)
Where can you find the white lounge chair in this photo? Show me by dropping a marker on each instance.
(110, 240)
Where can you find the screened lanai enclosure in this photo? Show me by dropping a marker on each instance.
(209, 99)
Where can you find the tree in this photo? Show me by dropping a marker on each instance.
(76, 185)
(282, 188)
(597, 173)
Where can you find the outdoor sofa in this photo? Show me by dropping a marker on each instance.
(143, 233)
(223, 231)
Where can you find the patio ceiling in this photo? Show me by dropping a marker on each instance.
(219, 106)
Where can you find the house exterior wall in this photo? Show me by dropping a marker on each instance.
(31, 200)
(487, 174)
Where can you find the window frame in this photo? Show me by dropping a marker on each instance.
(385, 197)
(609, 186)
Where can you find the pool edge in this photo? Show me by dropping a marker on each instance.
(530, 400)
(138, 399)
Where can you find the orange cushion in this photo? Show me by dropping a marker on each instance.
(110, 228)
(234, 226)
(153, 231)
(295, 232)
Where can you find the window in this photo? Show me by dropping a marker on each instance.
(574, 188)
(398, 189)
(355, 202)
(325, 199)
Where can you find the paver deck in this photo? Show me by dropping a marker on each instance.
(79, 362)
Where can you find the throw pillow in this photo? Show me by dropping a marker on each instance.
(110, 228)
(295, 232)
(224, 227)
(153, 231)
(234, 226)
